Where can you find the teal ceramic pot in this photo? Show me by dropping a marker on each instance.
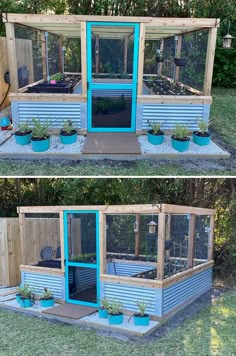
(141, 320)
(40, 145)
(5, 122)
(115, 319)
(155, 139)
(68, 139)
(18, 297)
(102, 313)
(26, 303)
(200, 139)
(23, 139)
(180, 146)
(45, 303)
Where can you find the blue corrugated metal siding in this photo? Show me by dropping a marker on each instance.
(85, 277)
(37, 282)
(111, 92)
(56, 112)
(190, 288)
(129, 295)
(126, 269)
(171, 114)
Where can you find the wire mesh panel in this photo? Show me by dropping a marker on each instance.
(150, 57)
(168, 56)
(72, 62)
(29, 55)
(194, 48)
(54, 55)
(201, 238)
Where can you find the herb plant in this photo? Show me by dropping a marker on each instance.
(40, 129)
(180, 131)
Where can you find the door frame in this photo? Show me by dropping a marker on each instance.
(79, 264)
(132, 86)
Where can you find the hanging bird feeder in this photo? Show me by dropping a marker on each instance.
(227, 39)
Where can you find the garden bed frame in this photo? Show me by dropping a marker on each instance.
(167, 295)
(145, 105)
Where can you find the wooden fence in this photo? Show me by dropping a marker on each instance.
(38, 233)
(24, 58)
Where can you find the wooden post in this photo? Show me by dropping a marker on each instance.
(192, 222)
(141, 58)
(178, 55)
(62, 237)
(160, 64)
(84, 58)
(125, 54)
(168, 232)
(44, 64)
(97, 54)
(102, 242)
(60, 53)
(137, 236)
(209, 65)
(211, 238)
(12, 58)
(21, 234)
(161, 246)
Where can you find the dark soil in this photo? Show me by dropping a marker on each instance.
(159, 133)
(20, 133)
(161, 86)
(180, 139)
(39, 138)
(201, 134)
(64, 133)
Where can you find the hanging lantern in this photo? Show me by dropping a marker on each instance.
(152, 227)
(227, 39)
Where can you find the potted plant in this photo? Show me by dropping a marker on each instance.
(202, 137)
(27, 297)
(23, 134)
(68, 133)
(180, 62)
(155, 135)
(141, 318)
(47, 299)
(40, 139)
(115, 314)
(180, 140)
(103, 309)
(159, 56)
(19, 293)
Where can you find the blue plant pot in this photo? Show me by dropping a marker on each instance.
(23, 139)
(201, 140)
(26, 303)
(68, 140)
(155, 139)
(5, 121)
(141, 320)
(18, 298)
(40, 146)
(115, 319)
(45, 303)
(180, 146)
(102, 313)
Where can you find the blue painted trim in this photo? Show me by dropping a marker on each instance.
(78, 264)
(132, 86)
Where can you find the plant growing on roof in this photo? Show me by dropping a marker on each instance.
(23, 133)
(40, 139)
(68, 133)
(180, 140)
(155, 135)
(201, 136)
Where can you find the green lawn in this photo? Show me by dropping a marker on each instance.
(211, 332)
(224, 126)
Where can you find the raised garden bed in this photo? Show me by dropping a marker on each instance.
(64, 86)
(162, 86)
(50, 264)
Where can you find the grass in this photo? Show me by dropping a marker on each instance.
(224, 125)
(211, 332)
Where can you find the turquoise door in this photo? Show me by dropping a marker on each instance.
(81, 235)
(112, 70)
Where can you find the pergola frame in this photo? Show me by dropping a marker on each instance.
(75, 26)
(163, 231)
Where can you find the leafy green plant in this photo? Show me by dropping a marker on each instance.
(47, 294)
(25, 292)
(23, 126)
(203, 125)
(67, 127)
(57, 76)
(83, 258)
(142, 306)
(180, 131)
(105, 303)
(40, 129)
(155, 126)
(115, 307)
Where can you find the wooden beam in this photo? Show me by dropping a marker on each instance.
(171, 99)
(211, 238)
(125, 54)
(62, 242)
(192, 222)
(41, 270)
(141, 58)
(180, 209)
(12, 56)
(44, 60)
(211, 45)
(60, 42)
(161, 246)
(178, 55)
(102, 242)
(137, 236)
(21, 235)
(160, 65)
(48, 97)
(84, 59)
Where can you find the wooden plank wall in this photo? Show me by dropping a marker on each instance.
(24, 57)
(38, 234)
